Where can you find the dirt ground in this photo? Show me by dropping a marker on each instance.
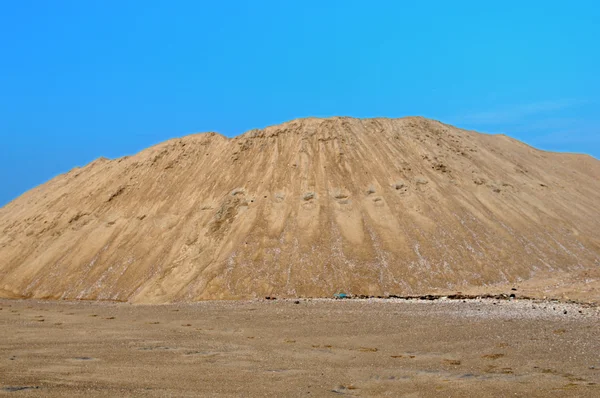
(369, 348)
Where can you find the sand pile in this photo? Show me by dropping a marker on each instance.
(311, 207)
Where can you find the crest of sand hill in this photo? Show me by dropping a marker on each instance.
(311, 207)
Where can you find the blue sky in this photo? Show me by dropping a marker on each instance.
(83, 79)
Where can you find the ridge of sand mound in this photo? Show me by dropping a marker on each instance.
(307, 208)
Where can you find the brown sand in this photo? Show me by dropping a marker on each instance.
(319, 348)
(310, 208)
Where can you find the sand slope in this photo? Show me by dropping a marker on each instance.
(307, 208)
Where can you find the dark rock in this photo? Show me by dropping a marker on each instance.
(19, 388)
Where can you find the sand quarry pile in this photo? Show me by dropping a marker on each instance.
(310, 208)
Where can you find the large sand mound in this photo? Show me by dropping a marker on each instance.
(308, 208)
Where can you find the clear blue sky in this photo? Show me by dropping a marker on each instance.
(83, 79)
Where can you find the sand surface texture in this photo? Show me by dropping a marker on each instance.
(318, 348)
(309, 208)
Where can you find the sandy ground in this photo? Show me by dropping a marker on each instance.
(310, 348)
